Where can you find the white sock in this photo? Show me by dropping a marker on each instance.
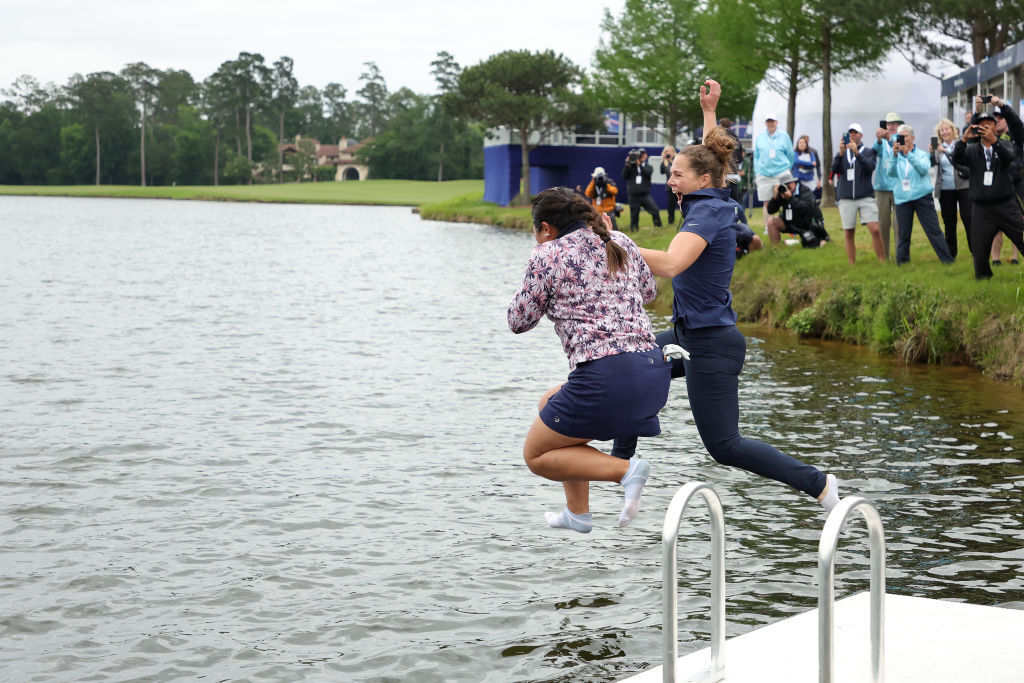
(633, 484)
(831, 498)
(566, 519)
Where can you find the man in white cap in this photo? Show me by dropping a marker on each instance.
(773, 156)
(884, 184)
(852, 168)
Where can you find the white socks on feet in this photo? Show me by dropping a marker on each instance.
(633, 483)
(566, 519)
(831, 498)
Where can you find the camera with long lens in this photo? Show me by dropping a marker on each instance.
(600, 181)
(634, 156)
(783, 190)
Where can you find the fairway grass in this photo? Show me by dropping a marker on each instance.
(388, 192)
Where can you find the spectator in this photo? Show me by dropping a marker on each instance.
(773, 157)
(1008, 128)
(601, 192)
(853, 167)
(807, 167)
(736, 175)
(950, 184)
(668, 155)
(991, 164)
(912, 195)
(884, 184)
(637, 176)
(800, 213)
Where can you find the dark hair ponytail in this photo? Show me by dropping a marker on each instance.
(560, 207)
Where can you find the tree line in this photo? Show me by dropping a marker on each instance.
(147, 126)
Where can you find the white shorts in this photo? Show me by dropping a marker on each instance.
(848, 209)
(765, 185)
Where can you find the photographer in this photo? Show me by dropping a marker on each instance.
(912, 194)
(852, 168)
(601, 193)
(637, 176)
(800, 214)
(991, 164)
(1008, 127)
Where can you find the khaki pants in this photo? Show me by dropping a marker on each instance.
(883, 198)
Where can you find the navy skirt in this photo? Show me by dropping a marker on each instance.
(610, 397)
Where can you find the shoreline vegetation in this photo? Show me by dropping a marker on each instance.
(922, 312)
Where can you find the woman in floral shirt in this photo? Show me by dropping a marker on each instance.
(593, 284)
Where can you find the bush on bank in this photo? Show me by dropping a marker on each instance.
(922, 312)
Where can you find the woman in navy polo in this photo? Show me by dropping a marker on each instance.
(700, 262)
(593, 284)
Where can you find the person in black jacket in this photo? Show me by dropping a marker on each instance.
(852, 169)
(800, 214)
(637, 177)
(1008, 125)
(991, 164)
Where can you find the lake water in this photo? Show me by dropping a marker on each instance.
(271, 442)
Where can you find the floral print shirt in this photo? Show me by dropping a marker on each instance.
(595, 315)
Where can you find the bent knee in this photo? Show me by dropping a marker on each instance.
(726, 452)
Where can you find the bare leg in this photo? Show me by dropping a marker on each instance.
(851, 245)
(774, 235)
(577, 496)
(876, 241)
(997, 246)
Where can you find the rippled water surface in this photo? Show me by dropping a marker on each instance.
(265, 442)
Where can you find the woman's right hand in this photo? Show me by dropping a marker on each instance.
(710, 93)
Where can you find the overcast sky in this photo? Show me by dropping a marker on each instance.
(329, 41)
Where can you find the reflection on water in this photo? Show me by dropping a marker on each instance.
(282, 442)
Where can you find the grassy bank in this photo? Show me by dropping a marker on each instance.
(393, 192)
(920, 312)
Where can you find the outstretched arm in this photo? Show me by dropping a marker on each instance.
(710, 93)
(682, 251)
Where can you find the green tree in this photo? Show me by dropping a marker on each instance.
(284, 92)
(337, 117)
(650, 61)
(142, 79)
(446, 73)
(304, 160)
(104, 102)
(530, 93)
(375, 97)
(986, 27)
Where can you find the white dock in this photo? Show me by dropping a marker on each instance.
(926, 641)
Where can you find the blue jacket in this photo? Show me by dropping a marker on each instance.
(914, 168)
(883, 155)
(764, 164)
(701, 292)
(863, 167)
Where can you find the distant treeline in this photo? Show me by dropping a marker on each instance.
(147, 126)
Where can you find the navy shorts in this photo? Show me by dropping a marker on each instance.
(613, 396)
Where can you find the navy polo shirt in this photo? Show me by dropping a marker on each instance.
(701, 292)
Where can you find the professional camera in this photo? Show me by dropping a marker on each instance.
(783, 190)
(634, 156)
(600, 181)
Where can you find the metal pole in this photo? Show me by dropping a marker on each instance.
(669, 537)
(826, 590)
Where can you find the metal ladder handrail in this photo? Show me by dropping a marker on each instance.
(826, 589)
(670, 608)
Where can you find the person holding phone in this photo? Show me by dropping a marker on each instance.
(883, 183)
(991, 164)
(912, 195)
(951, 184)
(853, 167)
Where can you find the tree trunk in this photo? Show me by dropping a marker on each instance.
(280, 150)
(142, 144)
(440, 163)
(97, 129)
(238, 126)
(794, 75)
(248, 138)
(828, 193)
(523, 198)
(216, 157)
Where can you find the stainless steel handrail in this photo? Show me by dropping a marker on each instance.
(826, 589)
(670, 611)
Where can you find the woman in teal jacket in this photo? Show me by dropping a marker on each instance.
(912, 194)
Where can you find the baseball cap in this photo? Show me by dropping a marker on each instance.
(856, 127)
(597, 171)
(997, 111)
(893, 117)
(785, 178)
(771, 117)
(983, 116)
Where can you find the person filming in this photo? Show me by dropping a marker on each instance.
(991, 164)
(799, 213)
(637, 176)
(601, 193)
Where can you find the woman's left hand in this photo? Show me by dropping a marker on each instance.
(710, 93)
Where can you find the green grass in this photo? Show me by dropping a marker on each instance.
(394, 192)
